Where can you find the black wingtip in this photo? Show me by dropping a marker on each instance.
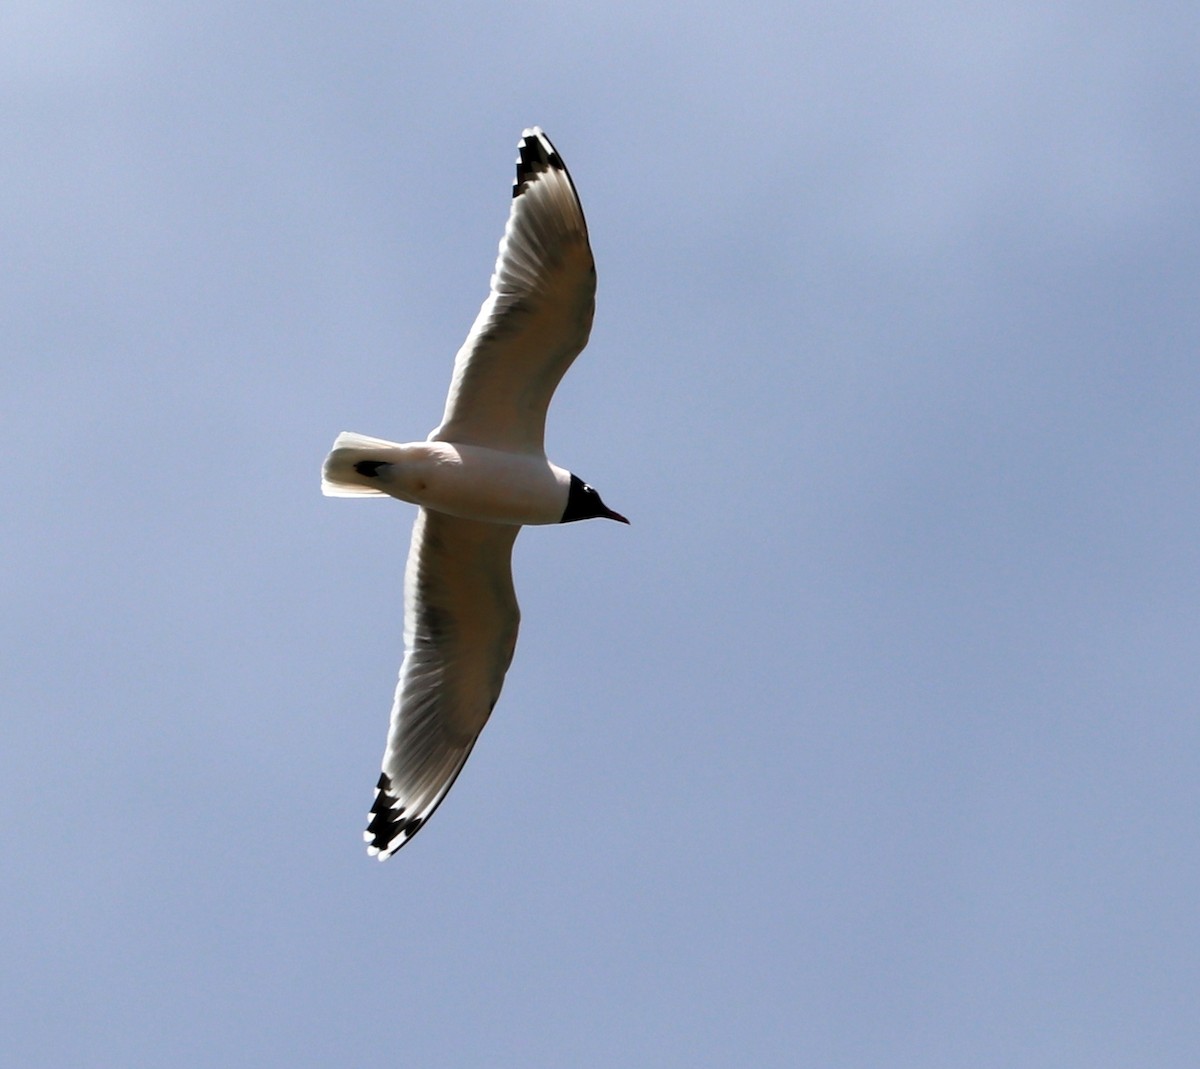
(535, 155)
(389, 829)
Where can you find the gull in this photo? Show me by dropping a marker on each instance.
(480, 476)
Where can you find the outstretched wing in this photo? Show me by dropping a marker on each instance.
(460, 629)
(537, 317)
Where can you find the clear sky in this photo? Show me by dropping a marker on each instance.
(873, 742)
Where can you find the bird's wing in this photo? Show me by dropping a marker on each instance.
(536, 318)
(460, 629)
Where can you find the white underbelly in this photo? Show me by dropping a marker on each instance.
(476, 483)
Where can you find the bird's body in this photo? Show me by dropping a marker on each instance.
(472, 482)
(481, 475)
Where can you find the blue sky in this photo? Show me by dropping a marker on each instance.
(872, 742)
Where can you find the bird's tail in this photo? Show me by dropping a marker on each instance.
(342, 478)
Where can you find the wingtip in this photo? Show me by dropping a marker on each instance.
(388, 828)
(536, 154)
(373, 850)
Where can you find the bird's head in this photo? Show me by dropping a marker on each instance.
(583, 503)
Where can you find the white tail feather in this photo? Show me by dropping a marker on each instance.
(339, 477)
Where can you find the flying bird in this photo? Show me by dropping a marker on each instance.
(479, 477)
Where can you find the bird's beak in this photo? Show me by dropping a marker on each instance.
(609, 514)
